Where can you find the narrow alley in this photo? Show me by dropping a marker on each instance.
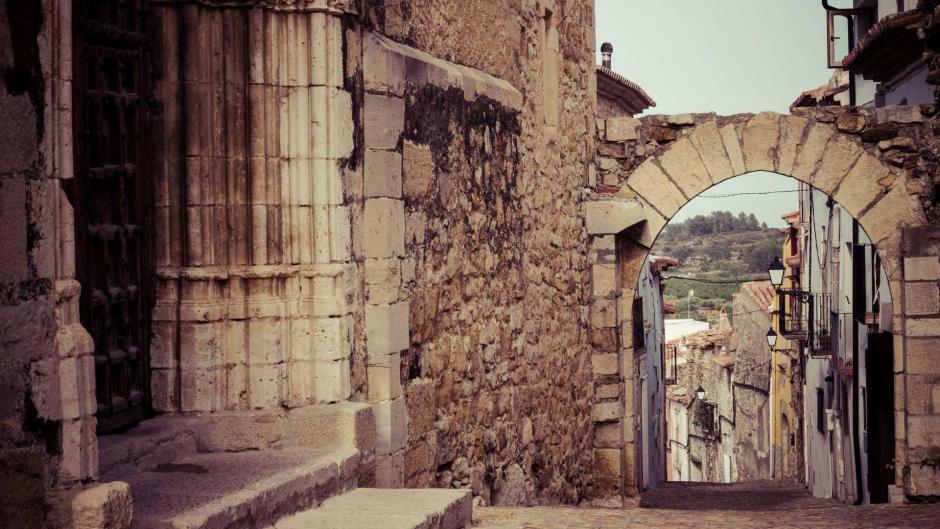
(739, 505)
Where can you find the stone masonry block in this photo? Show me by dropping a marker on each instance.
(607, 391)
(603, 279)
(389, 471)
(606, 412)
(923, 356)
(923, 430)
(649, 181)
(791, 135)
(99, 505)
(922, 268)
(417, 170)
(331, 380)
(605, 364)
(612, 216)
(862, 187)
(387, 330)
(707, 141)
(684, 165)
(391, 423)
(729, 136)
(383, 280)
(382, 174)
(384, 228)
(385, 381)
(759, 141)
(922, 327)
(810, 151)
(921, 298)
(607, 467)
(607, 435)
(840, 156)
(621, 128)
(603, 313)
(893, 210)
(384, 121)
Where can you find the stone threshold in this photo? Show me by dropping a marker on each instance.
(249, 489)
(387, 509)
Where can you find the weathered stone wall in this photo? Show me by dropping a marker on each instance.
(29, 442)
(917, 388)
(47, 426)
(491, 272)
(752, 383)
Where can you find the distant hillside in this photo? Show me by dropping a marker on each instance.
(719, 246)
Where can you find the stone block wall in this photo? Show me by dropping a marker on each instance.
(47, 426)
(752, 422)
(495, 373)
(917, 381)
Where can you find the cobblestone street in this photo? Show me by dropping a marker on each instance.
(751, 504)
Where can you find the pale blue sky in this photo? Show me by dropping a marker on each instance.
(724, 56)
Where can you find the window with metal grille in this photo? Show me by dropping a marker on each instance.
(820, 339)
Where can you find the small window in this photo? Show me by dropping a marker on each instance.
(639, 338)
(820, 410)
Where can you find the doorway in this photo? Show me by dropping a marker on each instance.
(111, 229)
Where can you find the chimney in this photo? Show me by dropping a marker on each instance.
(606, 50)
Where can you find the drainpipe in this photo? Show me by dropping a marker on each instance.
(858, 314)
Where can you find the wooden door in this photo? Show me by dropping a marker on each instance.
(107, 193)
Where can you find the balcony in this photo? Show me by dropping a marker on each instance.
(791, 314)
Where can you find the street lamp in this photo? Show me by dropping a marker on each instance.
(775, 271)
(771, 338)
(700, 393)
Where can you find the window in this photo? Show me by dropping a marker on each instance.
(639, 337)
(820, 410)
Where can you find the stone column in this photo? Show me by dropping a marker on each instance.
(253, 233)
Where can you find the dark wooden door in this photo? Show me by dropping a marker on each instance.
(879, 420)
(111, 229)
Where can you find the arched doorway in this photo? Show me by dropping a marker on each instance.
(671, 159)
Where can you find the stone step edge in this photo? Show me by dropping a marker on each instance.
(270, 499)
(368, 508)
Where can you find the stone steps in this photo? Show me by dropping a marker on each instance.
(249, 489)
(387, 509)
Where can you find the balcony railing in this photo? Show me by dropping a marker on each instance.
(822, 322)
(792, 315)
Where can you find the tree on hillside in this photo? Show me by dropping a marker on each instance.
(758, 255)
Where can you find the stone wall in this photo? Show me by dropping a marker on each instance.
(752, 383)
(495, 366)
(917, 385)
(47, 426)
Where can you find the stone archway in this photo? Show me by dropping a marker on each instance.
(876, 163)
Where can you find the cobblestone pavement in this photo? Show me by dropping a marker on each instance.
(700, 505)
